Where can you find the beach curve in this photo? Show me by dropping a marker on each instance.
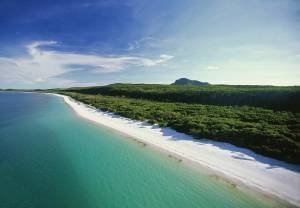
(272, 177)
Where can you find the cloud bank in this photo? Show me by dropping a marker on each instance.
(46, 65)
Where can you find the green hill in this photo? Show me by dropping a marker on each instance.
(269, 97)
(185, 81)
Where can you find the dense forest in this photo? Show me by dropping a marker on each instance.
(268, 132)
(270, 97)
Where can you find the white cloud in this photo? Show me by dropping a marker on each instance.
(140, 43)
(150, 43)
(162, 58)
(212, 67)
(42, 65)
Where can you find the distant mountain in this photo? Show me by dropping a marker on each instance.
(185, 81)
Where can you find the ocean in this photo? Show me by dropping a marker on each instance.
(50, 157)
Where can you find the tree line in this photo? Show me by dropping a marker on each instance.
(270, 97)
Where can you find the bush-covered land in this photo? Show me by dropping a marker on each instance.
(270, 97)
(271, 133)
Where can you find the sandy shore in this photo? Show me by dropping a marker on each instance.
(270, 176)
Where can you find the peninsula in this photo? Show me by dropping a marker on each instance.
(242, 143)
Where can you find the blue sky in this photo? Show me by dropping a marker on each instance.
(78, 43)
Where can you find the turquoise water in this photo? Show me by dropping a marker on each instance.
(49, 157)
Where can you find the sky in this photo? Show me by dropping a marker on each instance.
(54, 43)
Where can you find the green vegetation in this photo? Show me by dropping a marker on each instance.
(270, 97)
(267, 132)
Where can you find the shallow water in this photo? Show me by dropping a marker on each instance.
(49, 157)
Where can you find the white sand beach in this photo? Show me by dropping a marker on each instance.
(273, 177)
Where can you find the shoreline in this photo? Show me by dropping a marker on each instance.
(273, 178)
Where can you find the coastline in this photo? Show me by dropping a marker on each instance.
(239, 165)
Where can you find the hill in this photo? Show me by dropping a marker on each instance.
(185, 81)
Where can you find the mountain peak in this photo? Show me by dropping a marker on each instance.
(186, 81)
